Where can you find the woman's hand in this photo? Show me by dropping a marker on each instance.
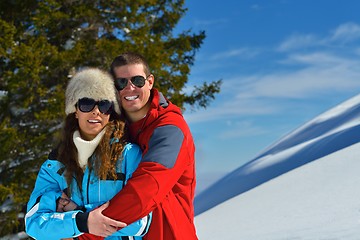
(64, 204)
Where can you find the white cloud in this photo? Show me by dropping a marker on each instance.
(346, 32)
(323, 73)
(231, 108)
(241, 129)
(209, 23)
(242, 52)
(298, 41)
(316, 58)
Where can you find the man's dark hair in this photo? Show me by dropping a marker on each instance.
(129, 58)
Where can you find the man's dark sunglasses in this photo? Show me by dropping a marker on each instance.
(88, 104)
(138, 81)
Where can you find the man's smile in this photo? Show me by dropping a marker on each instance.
(131, 98)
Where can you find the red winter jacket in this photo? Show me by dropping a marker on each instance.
(164, 181)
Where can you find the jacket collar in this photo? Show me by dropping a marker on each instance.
(159, 106)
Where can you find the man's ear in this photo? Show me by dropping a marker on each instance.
(151, 80)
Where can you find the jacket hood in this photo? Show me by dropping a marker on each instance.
(159, 106)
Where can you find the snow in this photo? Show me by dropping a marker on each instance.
(17, 236)
(320, 200)
(305, 186)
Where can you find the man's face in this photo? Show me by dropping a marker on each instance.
(133, 99)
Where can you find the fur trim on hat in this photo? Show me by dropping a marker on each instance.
(91, 83)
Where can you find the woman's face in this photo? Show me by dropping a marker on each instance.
(91, 123)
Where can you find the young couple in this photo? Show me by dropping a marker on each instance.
(119, 172)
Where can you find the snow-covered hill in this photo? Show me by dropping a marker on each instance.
(305, 186)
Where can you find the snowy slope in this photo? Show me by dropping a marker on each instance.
(320, 200)
(308, 185)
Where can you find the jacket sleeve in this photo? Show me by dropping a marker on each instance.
(132, 158)
(41, 220)
(137, 228)
(163, 164)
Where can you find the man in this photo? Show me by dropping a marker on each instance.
(164, 182)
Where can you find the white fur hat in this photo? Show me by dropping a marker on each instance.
(91, 83)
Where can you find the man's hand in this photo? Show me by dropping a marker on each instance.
(100, 225)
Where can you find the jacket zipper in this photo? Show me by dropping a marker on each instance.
(88, 187)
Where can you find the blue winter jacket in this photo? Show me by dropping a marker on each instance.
(43, 222)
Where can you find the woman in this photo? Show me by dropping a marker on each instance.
(90, 165)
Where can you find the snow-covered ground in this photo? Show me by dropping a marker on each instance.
(305, 186)
(320, 200)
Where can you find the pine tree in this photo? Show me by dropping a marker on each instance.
(44, 42)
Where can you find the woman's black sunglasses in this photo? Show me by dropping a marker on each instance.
(138, 81)
(88, 104)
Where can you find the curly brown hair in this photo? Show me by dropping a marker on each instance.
(107, 153)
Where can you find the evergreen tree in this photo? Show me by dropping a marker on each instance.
(44, 42)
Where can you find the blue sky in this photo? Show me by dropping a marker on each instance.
(282, 63)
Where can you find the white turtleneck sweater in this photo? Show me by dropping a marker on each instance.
(86, 148)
